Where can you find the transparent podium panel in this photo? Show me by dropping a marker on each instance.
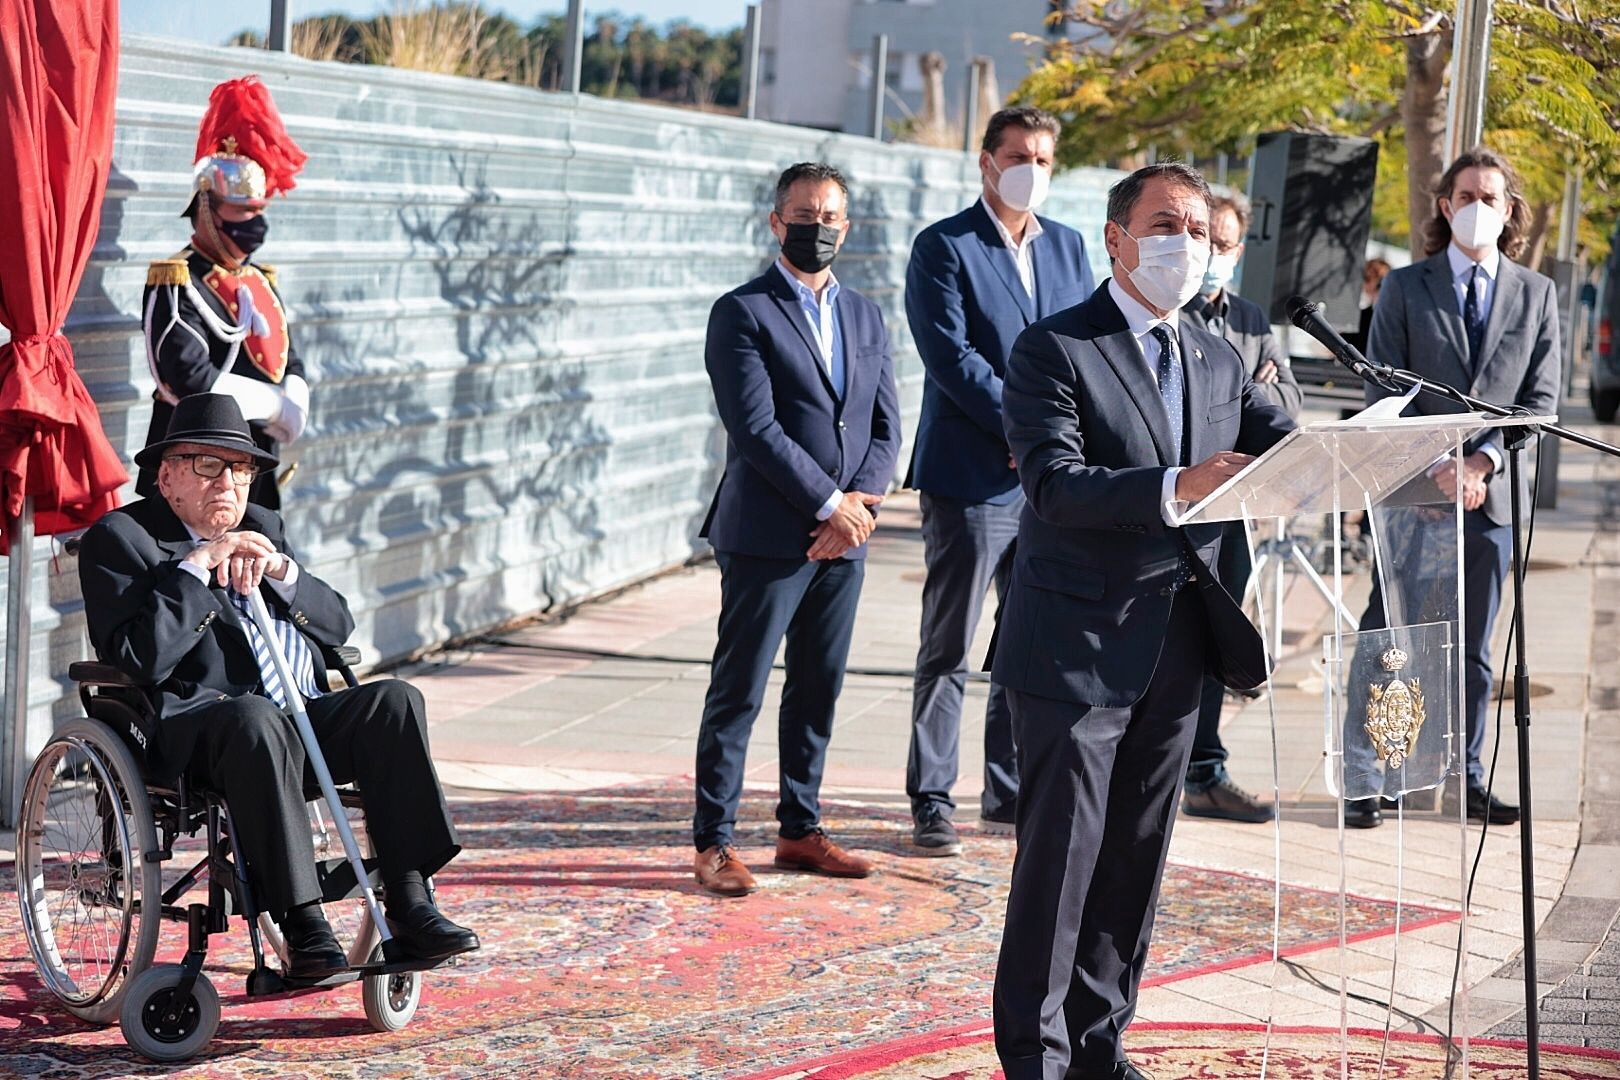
(1353, 582)
(1395, 728)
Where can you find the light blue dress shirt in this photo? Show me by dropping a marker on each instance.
(821, 313)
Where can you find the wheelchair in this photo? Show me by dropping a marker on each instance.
(93, 837)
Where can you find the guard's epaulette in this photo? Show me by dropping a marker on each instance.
(269, 273)
(168, 272)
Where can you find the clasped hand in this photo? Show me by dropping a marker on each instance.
(240, 560)
(848, 527)
(1476, 471)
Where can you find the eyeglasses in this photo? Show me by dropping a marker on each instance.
(209, 467)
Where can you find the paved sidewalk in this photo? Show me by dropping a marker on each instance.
(612, 693)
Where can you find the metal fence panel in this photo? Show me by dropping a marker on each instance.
(500, 295)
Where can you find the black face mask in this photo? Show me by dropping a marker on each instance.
(247, 235)
(810, 247)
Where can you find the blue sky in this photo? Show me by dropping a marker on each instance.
(214, 22)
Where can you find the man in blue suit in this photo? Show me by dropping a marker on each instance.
(975, 281)
(805, 388)
(1116, 410)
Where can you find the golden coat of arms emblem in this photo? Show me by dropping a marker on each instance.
(1394, 712)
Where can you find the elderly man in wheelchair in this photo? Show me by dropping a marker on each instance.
(167, 585)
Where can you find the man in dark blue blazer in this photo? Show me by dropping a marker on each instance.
(975, 281)
(1117, 411)
(805, 388)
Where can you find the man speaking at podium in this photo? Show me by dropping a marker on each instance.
(1469, 316)
(1116, 412)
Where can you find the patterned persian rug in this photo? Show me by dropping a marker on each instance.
(603, 959)
(1220, 1052)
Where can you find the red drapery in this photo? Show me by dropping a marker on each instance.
(58, 85)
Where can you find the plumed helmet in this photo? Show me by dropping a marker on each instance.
(244, 154)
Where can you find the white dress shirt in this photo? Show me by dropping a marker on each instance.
(1141, 322)
(1462, 268)
(821, 314)
(1019, 248)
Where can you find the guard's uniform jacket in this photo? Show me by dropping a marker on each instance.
(210, 329)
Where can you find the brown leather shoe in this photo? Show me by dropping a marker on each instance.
(720, 871)
(819, 855)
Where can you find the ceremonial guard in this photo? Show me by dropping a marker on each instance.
(213, 320)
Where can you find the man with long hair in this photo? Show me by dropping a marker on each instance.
(1470, 316)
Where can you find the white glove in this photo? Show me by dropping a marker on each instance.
(257, 400)
(288, 423)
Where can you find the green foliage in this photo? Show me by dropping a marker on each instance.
(1210, 74)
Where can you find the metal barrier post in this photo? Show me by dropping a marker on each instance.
(970, 113)
(280, 34)
(19, 642)
(750, 63)
(573, 46)
(880, 81)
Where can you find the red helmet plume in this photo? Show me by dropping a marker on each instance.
(242, 122)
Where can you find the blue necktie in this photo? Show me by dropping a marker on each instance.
(1473, 320)
(1171, 389)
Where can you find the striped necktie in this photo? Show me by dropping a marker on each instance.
(293, 646)
(1169, 376)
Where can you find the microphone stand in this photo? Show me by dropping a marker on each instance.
(1396, 379)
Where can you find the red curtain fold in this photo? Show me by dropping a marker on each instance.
(58, 88)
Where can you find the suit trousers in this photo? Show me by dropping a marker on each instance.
(1207, 765)
(1487, 552)
(966, 547)
(374, 736)
(1096, 802)
(762, 601)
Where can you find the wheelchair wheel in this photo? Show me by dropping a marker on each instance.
(390, 1000)
(90, 900)
(161, 1029)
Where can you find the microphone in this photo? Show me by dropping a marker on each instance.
(1308, 317)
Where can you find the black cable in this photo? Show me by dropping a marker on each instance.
(1452, 1054)
(1305, 974)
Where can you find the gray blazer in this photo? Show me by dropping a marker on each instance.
(1244, 325)
(1418, 325)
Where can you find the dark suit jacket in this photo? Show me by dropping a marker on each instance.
(790, 441)
(168, 631)
(1090, 598)
(1417, 324)
(1245, 326)
(966, 307)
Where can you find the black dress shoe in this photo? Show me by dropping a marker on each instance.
(427, 935)
(1226, 801)
(1483, 806)
(313, 953)
(1362, 813)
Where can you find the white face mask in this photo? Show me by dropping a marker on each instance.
(1219, 273)
(1022, 187)
(1477, 225)
(1169, 269)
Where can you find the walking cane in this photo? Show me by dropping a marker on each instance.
(317, 760)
